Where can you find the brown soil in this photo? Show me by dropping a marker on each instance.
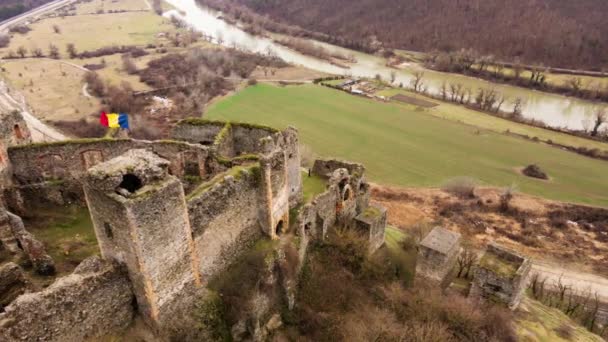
(568, 234)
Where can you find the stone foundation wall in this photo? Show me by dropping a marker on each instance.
(93, 301)
(54, 172)
(13, 132)
(224, 217)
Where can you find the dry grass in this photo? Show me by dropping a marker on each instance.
(536, 227)
(52, 89)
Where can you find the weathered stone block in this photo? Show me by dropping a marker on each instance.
(12, 283)
(78, 307)
(437, 254)
(372, 221)
(501, 276)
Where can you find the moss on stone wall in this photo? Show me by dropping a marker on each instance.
(237, 172)
(222, 135)
(499, 266)
(371, 212)
(205, 122)
(66, 143)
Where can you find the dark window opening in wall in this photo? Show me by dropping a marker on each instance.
(290, 155)
(18, 132)
(362, 187)
(342, 184)
(307, 228)
(280, 229)
(346, 194)
(107, 229)
(130, 182)
(206, 143)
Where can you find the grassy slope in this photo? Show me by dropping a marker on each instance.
(537, 322)
(404, 147)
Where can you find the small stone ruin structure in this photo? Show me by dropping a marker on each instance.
(500, 277)
(437, 255)
(168, 216)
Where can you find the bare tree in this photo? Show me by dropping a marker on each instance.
(393, 76)
(466, 260)
(5, 40)
(22, 51)
(37, 52)
(417, 82)
(128, 64)
(158, 7)
(56, 29)
(518, 107)
(443, 91)
(71, 50)
(575, 84)
(53, 51)
(599, 118)
(506, 196)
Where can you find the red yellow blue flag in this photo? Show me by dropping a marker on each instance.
(114, 120)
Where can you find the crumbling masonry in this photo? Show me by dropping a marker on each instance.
(173, 214)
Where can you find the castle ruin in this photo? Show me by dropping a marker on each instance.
(169, 216)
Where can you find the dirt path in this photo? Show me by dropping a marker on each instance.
(582, 282)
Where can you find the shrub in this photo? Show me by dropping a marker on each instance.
(252, 81)
(461, 186)
(22, 29)
(5, 40)
(535, 171)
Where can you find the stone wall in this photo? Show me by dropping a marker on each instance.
(93, 301)
(501, 277)
(13, 132)
(346, 197)
(437, 255)
(197, 131)
(54, 172)
(224, 216)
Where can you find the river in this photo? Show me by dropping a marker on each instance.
(555, 110)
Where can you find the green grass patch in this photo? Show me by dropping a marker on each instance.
(537, 322)
(402, 251)
(501, 267)
(404, 147)
(67, 233)
(312, 186)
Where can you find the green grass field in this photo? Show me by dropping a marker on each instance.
(404, 147)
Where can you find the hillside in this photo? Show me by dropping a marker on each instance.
(558, 33)
(11, 8)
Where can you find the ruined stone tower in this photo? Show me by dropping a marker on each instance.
(141, 219)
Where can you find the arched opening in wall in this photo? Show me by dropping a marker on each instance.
(18, 132)
(346, 195)
(130, 182)
(362, 187)
(107, 229)
(279, 230)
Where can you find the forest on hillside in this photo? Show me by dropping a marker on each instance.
(11, 8)
(558, 33)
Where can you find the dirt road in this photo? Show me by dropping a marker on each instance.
(34, 12)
